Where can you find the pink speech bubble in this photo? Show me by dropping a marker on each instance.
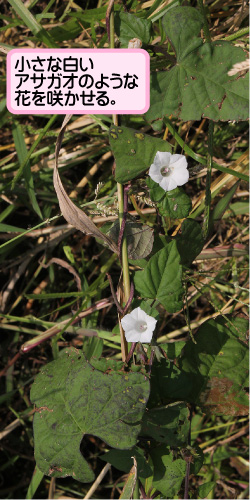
(78, 81)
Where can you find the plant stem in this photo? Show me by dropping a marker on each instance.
(205, 227)
(120, 193)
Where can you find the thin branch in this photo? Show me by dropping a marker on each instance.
(114, 294)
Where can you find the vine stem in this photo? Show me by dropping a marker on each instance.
(206, 220)
(120, 194)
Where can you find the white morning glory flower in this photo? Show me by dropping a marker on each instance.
(138, 326)
(169, 171)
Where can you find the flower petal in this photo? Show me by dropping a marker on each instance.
(133, 336)
(180, 175)
(168, 183)
(130, 325)
(146, 336)
(151, 322)
(178, 161)
(162, 159)
(136, 313)
(154, 173)
(128, 322)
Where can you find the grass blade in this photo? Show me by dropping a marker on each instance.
(22, 154)
(31, 23)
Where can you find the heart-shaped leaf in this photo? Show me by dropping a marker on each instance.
(134, 151)
(175, 203)
(140, 238)
(198, 85)
(162, 278)
(128, 26)
(73, 399)
(168, 472)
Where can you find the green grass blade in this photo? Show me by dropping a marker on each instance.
(22, 155)
(31, 23)
(34, 483)
(199, 158)
(32, 149)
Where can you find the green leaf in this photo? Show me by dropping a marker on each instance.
(218, 367)
(167, 424)
(175, 203)
(22, 154)
(134, 151)
(168, 383)
(5, 228)
(168, 473)
(162, 278)
(190, 242)
(74, 399)
(198, 86)
(67, 31)
(205, 488)
(122, 460)
(90, 15)
(128, 26)
(140, 238)
(173, 349)
(148, 306)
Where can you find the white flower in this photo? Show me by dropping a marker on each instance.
(134, 43)
(138, 326)
(169, 171)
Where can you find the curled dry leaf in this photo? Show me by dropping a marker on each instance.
(74, 215)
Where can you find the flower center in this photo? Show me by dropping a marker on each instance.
(141, 326)
(166, 171)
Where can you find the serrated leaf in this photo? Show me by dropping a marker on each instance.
(128, 26)
(198, 86)
(190, 241)
(168, 473)
(73, 399)
(134, 151)
(162, 278)
(218, 366)
(140, 238)
(122, 460)
(167, 424)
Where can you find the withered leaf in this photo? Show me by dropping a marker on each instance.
(74, 215)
